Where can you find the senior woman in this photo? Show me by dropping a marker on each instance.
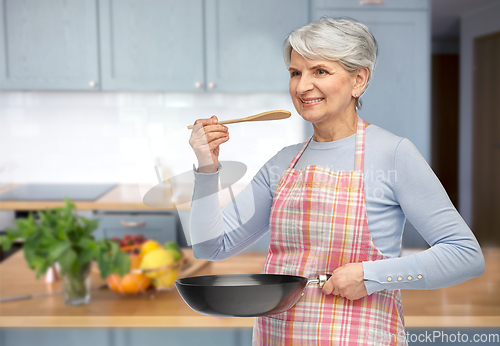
(336, 203)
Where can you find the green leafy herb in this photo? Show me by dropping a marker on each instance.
(65, 237)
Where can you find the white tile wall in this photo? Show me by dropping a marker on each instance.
(117, 137)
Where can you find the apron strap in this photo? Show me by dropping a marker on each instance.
(299, 154)
(359, 158)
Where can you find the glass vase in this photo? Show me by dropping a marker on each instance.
(76, 287)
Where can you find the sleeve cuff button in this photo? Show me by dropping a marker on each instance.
(419, 276)
(410, 277)
(400, 278)
(389, 278)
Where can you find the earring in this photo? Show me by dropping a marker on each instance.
(356, 94)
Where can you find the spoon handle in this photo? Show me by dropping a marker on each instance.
(226, 122)
(271, 115)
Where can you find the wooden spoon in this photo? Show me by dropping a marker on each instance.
(271, 115)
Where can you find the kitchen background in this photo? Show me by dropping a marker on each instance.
(52, 131)
(115, 128)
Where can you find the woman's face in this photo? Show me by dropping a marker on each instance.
(321, 90)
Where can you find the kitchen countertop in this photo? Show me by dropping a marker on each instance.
(121, 197)
(475, 303)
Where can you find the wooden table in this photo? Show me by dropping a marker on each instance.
(475, 303)
(108, 308)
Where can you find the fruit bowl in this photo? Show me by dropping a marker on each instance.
(151, 264)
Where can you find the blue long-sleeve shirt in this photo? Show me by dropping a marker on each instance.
(399, 185)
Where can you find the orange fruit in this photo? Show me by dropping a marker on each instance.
(129, 283)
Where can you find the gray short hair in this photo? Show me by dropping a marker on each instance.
(344, 40)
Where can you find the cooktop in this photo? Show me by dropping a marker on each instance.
(56, 192)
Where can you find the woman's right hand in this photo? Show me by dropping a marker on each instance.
(205, 139)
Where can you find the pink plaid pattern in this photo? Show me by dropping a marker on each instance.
(318, 223)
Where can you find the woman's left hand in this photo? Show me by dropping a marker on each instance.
(347, 281)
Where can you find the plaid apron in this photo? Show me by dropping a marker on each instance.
(318, 223)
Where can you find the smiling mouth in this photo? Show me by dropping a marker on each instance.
(312, 101)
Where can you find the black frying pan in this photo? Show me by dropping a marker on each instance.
(244, 295)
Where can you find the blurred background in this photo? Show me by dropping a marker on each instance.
(99, 92)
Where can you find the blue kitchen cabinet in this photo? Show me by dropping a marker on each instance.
(147, 45)
(126, 337)
(152, 45)
(161, 227)
(244, 43)
(183, 336)
(48, 45)
(55, 337)
(194, 45)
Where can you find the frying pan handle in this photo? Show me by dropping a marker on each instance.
(320, 280)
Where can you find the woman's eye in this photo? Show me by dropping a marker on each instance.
(295, 73)
(321, 72)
